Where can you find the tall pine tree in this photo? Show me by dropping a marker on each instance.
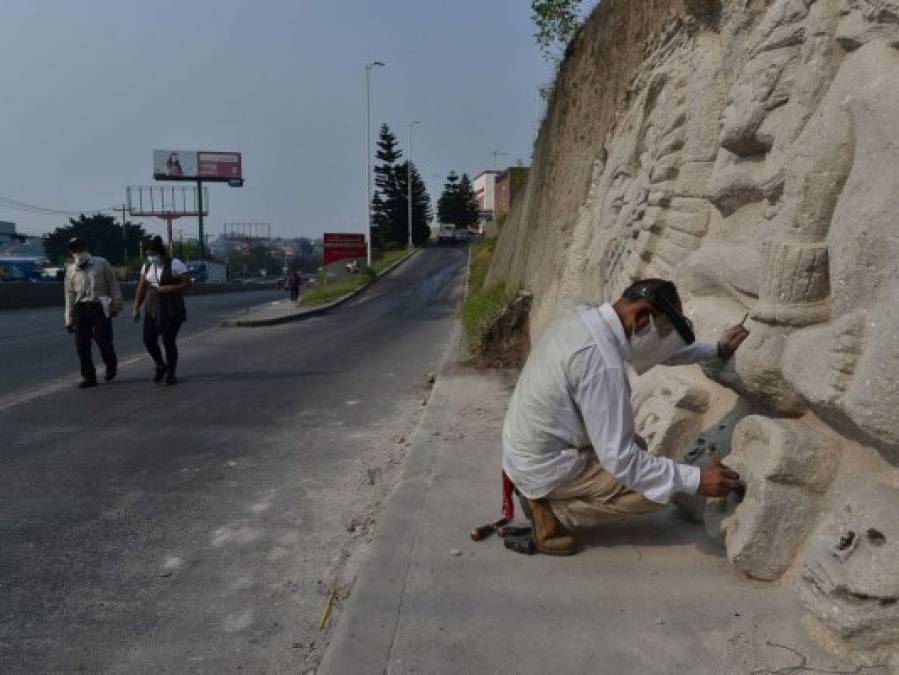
(421, 209)
(468, 204)
(457, 205)
(447, 205)
(388, 199)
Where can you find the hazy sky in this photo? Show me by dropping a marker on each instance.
(89, 88)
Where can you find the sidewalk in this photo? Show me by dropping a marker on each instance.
(284, 311)
(645, 595)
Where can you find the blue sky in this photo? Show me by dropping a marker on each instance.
(90, 88)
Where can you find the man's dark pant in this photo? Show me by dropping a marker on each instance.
(91, 323)
(151, 341)
(294, 293)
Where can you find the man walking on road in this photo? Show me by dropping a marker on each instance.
(93, 298)
(569, 445)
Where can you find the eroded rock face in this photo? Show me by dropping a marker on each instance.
(750, 153)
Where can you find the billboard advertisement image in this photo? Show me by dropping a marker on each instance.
(197, 165)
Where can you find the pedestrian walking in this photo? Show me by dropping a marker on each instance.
(93, 298)
(293, 282)
(163, 282)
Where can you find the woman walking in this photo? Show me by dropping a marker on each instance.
(163, 283)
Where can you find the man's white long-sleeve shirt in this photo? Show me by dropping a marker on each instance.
(573, 395)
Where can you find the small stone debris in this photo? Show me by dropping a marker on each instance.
(351, 525)
(660, 622)
(455, 552)
(432, 378)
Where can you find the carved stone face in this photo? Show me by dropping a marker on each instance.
(849, 581)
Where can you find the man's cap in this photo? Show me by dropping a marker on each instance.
(656, 296)
(76, 243)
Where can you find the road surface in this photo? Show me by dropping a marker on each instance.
(200, 528)
(34, 346)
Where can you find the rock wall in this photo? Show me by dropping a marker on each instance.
(748, 150)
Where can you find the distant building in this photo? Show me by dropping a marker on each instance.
(509, 184)
(484, 186)
(7, 230)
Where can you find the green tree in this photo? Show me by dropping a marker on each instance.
(468, 205)
(447, 205)
(457, 205)
(102, 235)
(388, 200)
(556, 22)
(422, 214)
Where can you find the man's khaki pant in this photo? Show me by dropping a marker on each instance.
(595, 493)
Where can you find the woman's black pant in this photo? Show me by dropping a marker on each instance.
(151, 341)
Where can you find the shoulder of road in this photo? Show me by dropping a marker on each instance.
(647, 594)
(284, 311)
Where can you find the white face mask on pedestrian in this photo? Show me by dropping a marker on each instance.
(154, 259)
(655, 343)
(82, 258)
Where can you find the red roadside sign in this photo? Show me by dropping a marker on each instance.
(343, 246)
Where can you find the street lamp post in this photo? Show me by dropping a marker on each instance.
(409, 180)
(497, 153)
(368, 69)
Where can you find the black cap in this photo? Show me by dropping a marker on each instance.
(656, 296)
(76, 244)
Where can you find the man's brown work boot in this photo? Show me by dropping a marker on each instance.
(550, 535)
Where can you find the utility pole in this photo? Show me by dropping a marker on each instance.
(409, 180)
(497, 153)
(368, 69)
(201, 239)
(124, 236)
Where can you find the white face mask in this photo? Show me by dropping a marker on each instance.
(82, 259)
(647, 348)
(154, 259)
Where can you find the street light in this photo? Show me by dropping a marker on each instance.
(409, 180)
(368, 68)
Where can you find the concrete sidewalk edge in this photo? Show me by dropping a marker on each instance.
(380, 586)
(321, 309)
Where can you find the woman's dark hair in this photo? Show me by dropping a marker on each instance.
(156, 245)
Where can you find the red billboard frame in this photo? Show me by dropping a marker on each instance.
(343, 246)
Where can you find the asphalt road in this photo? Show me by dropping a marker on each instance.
(34, 346)
(199, 528)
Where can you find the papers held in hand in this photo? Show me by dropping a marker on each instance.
(106, 303)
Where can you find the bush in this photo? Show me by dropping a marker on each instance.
(482, 303)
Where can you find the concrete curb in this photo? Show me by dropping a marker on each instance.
(315, 311)
(367, 626)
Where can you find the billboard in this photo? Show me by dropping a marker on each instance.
(197, 165)
(342, 246)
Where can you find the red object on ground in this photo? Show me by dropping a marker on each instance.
(508, 504)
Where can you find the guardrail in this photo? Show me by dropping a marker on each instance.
(50, 294)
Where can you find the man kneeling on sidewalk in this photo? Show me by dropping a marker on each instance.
(568, 440)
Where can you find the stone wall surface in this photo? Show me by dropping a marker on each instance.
(748, 150)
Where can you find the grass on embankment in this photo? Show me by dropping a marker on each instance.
(325, 292)
(482, 303)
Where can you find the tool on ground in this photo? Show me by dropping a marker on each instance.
(326, 611)
(485, 531)
(524, 544)
(512, 531)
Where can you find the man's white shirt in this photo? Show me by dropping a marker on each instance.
(574, 397)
